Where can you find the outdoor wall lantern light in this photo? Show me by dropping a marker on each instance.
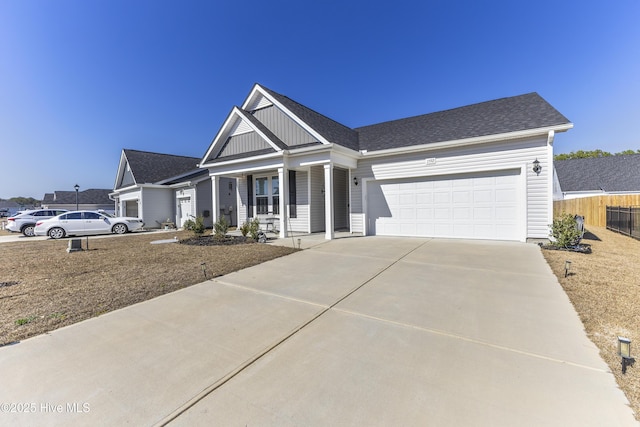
(624, 351)
(536, 167)
(77, 187)
(567, 267)
(355, 180)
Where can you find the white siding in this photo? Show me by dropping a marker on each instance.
(494, 156)
(301, 222)
(241, 197)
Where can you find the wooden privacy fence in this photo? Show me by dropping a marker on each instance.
(594, 209)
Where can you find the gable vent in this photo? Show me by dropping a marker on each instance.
(258, 103)
(240, 127)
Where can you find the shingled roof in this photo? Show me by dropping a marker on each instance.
(151, 168)
(92, 196)
(608, 174)
(505, 115)
(331, 130)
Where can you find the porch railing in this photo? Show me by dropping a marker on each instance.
(624, 220)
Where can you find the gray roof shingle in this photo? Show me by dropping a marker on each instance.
(608, 174)
(90, 196)
(517, 113)
(331, 130)
(150, 168)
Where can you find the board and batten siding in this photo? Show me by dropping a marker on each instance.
(485, 157)
(245, 143)
(282, 126)
(127, 177)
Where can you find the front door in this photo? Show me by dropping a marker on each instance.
(185, 210)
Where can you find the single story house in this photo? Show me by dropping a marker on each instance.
(596, 176)
(10, 207)
(164, 188)
(482, 171)
(92, 199)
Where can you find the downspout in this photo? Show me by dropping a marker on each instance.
(550, 138)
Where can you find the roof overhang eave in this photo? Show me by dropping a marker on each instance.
(243, 160)
(470, 141)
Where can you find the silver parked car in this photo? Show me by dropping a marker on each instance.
(25, 222)
(84, 223)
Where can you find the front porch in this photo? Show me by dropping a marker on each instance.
(293, 200)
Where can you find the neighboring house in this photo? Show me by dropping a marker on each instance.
(596, 176)
(10, 206)
(159, 187)
(461, 173)
(92, 199)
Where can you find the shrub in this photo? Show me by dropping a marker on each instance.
(254, 228)
(197, 225)
(564, 231)
(244, 228)
(220, 228)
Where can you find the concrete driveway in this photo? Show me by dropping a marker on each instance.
(356, 331)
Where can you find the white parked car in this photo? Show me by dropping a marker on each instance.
(84, 223)
(24, 222)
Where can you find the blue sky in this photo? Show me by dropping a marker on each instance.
(81, 80)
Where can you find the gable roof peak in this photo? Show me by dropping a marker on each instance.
(331, 130)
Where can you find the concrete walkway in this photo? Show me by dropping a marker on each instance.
(356, 331)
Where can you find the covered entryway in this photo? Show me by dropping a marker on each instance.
(477, 206)
(131, 208)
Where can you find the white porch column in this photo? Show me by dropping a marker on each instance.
(328, 201)
(284, 200)
(215, 198)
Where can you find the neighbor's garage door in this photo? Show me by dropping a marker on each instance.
(476, 206)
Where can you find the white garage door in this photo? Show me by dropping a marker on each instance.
(475, 206)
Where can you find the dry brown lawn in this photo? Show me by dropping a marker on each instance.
(604, 287)
(55, 289)
(42, 287)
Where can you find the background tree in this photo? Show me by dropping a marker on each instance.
(25, 201)
(581, 154)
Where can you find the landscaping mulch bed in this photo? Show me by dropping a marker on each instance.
(216, 241)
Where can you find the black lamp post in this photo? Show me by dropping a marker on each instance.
(77, 187)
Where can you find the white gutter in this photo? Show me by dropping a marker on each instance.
(244, 159)
(468, 141)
